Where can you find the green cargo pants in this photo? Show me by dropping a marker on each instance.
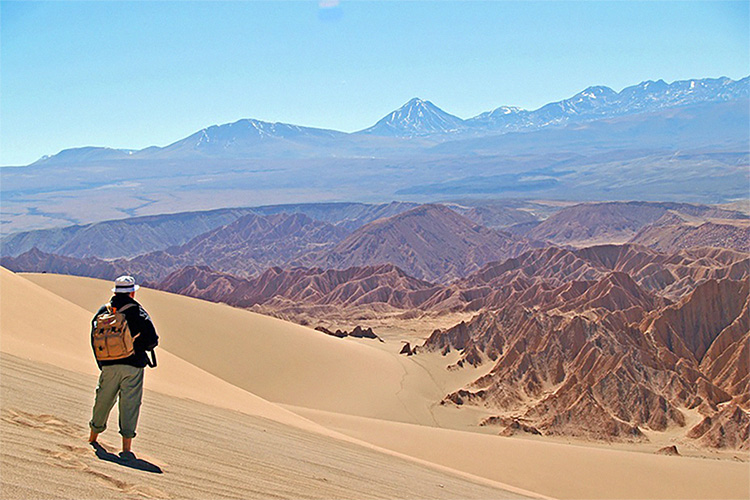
(126, 382)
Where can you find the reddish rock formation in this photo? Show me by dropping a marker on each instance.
(512, 426)
(616, 222)
(671, 234)
(668, 450)
(429, 242)
(690, 327)
(727, 428)
(669, 277)
(349, 287)
(569, 361)
(338, 333)
(469, 356)
(363, 333)
(407, 349)
(358, 332)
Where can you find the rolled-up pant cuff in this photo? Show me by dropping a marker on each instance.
(129, 435)
(96, 428)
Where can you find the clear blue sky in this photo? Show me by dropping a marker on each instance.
(134, 74)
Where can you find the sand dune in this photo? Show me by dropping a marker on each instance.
(277, 360)
(236, 446)
(202, 451)
(365, 390)
(41, 326)
(555, 469)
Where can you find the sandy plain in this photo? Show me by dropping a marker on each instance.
(217, 359)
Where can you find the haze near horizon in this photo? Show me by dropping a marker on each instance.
(131, 75)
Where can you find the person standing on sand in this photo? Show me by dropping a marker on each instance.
(123, 376)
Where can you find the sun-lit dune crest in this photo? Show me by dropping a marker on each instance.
(274, 359)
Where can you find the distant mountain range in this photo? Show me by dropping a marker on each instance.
(422, 118)
(127, 238)
(249, 138)
(603, 102)
(592, 223)
(685, 142)
(431, 242)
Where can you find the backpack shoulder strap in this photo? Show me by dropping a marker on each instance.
(123, 308)
(151, 361)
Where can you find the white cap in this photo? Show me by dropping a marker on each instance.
(125, 284)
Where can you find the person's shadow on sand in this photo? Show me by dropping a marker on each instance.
(126, 459)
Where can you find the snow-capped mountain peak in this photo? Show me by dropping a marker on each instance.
(596, 92)
(251, 138)
(416, 118)
(248, 134)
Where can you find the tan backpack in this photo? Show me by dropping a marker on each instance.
(111, 336)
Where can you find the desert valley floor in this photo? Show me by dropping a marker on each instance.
(264, 408)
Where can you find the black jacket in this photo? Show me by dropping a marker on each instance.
(139, 323)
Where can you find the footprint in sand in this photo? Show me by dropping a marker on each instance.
(57, 425)
(126, 487)
(43, 422)
(64, 459)
(75, 457)
(70, 458)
